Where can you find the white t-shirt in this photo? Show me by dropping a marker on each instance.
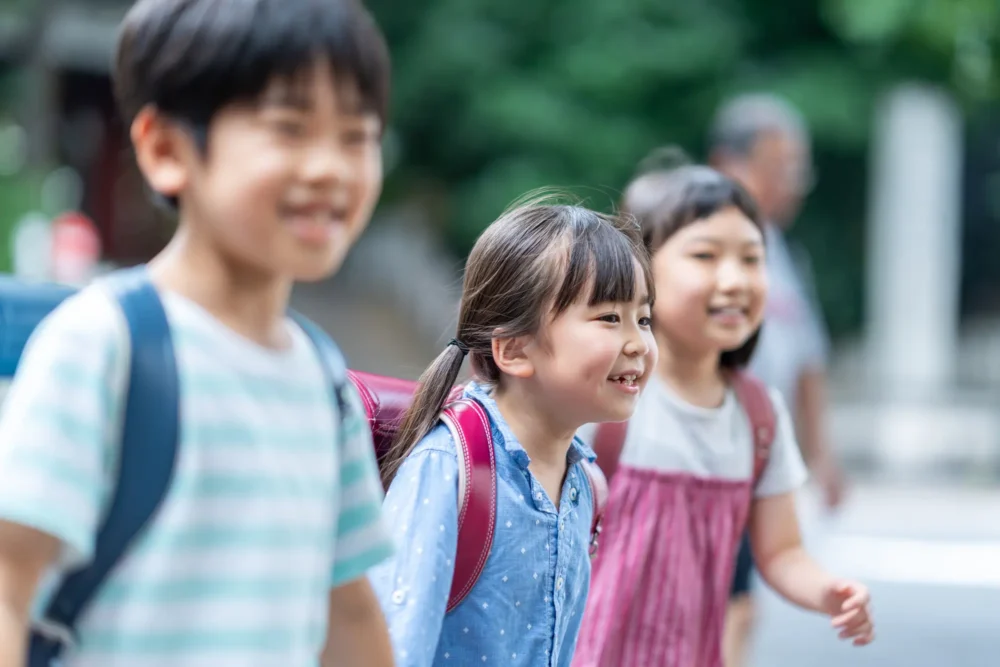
(793, 338)
(668, 434)
(275, 497)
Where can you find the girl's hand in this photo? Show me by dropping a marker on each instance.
(848, 602)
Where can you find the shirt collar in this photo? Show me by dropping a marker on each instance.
(482, 394)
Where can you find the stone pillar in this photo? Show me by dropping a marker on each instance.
(914, 243)
(913, 290)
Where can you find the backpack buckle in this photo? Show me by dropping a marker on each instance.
(594, 540)
(55, 633)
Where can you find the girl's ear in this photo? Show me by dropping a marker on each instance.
(510, 356)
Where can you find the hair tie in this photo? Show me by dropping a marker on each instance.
(460, 345)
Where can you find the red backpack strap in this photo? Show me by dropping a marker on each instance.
(599, 492)
(609, 439)
(477, 493)
(756, 401)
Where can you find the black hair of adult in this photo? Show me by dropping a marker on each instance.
(192, 58)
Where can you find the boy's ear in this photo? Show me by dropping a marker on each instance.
(510, 356)
(163, 151)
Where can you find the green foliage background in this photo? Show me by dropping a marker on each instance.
(493, 98)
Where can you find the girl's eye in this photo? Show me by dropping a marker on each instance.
(611, 318)
(753, 260)
(645, 321)
(704, 256)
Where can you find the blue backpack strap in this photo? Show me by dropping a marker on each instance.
(148, 451)
(330, 357)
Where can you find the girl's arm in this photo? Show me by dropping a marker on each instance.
(793, 574)
(777, 543)
(421, 507)
(780, 558)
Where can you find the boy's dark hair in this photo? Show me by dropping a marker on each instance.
(533, 262)
(191, 58)
(670, 193)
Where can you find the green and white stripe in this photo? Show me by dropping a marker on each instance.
(275, 497)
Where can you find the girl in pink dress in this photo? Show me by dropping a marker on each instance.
(692, 472)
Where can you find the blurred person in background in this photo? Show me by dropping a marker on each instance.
(763, 142)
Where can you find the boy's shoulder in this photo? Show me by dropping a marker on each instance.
(92, 313)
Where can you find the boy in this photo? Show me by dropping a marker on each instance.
(260, 121)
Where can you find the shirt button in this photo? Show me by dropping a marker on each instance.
(398, 596)
(573, 493)
(559, 583)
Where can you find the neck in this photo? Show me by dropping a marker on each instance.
(245, 299)
(546, 443)
(694, 376)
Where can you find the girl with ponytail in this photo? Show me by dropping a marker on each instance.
(555, 320)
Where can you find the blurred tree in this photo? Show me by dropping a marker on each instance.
(496, 97)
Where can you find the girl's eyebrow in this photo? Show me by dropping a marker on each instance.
(714, 240)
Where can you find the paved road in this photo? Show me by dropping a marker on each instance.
(932, 560)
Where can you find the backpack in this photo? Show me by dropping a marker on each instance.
(752, 395)
(151, 429)
(386, 400)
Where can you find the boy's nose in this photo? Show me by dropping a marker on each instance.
(325, 163)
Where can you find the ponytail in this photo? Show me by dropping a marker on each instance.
(433, 388)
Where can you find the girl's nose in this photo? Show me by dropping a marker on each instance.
(732, 275)
(638, 343)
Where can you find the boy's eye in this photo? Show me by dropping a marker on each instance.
(645, 321)
(289, 127)
(752, 259)
(704, 256)
(611, 318)
(355, 137)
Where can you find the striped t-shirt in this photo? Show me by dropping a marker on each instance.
(275, 497)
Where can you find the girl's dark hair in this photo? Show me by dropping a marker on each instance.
(535, 261)
(668, 193)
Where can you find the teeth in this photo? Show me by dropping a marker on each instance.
(627, 380)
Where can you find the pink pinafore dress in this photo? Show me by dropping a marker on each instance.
(663, 571)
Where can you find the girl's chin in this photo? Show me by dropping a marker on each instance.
(731, 343)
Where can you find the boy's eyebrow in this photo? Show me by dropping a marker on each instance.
(296, 97)
(295, 102)
(287, 94)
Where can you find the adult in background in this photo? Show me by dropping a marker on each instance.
(763, 142)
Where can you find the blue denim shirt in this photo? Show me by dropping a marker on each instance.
(525, 610)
